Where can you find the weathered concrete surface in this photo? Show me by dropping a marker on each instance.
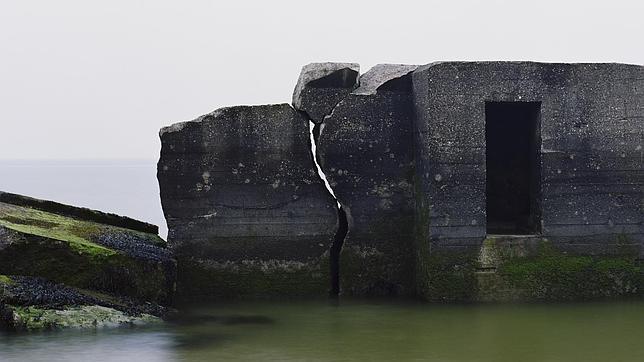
(85, 254)
(366, 151)
(592, 130)
(386, 77)
(407, 161)
(247, 213)
(323, 85)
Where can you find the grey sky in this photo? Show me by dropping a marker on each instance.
(89, 79)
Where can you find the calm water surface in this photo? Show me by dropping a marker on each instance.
(355, 330)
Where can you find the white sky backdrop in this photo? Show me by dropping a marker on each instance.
(97, 79)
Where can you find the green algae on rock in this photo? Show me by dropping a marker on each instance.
(88, 316)
(78, 212)
(32, 304)
(84, 253)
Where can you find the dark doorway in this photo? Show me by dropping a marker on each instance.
(513, 173)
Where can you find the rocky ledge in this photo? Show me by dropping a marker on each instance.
(32, 303)
(62, 266)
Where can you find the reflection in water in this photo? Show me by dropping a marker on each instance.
(356, 330)
(81, 346)
(188, 319)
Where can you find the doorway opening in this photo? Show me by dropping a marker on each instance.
(513, 175)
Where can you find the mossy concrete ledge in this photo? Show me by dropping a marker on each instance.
(529, 269)
(85, 254)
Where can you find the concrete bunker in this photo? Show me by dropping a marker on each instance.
(512, 167)
(429, 181)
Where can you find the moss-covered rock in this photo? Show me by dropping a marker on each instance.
(87, 316)
(5, 280)
(75, 212)
(85, 254)
(30, 303)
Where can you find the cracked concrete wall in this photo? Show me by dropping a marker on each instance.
(247, 213)
(365, 149)
(321, 86)
(592, 128)
(403, 149)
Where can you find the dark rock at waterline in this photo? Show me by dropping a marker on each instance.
(136, 246)
(323, 85)
(247, 213)
(32, 303)
(23, 291)
(84, 254)
(366, 151)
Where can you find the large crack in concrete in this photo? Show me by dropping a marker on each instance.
(345, 81)
(382, 88)
(343, 223)
(321, 87)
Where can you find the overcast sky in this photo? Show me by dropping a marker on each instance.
(97, 79)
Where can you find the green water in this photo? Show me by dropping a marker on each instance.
(354, 330)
